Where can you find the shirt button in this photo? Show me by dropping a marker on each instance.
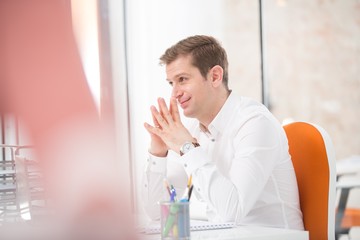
(146, 185)
(154, 163)
(198, 189)
(185, 165)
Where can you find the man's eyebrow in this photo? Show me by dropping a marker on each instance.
(178, 75)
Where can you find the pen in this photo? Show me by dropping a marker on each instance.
(190, 191)
(166, 183)
(172, 194)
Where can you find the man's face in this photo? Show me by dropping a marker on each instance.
(190, 88)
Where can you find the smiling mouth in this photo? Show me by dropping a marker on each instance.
(184, 102)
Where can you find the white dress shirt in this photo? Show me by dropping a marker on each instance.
(242, 169)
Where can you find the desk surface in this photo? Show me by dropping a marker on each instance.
(348, 166)
(244, 233)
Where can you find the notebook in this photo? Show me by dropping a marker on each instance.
(195, 225)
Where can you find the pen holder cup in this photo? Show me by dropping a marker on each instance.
(175, 220)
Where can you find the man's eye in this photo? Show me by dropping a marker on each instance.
(170, 83)
(181, 79)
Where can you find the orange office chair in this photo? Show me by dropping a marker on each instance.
(313, 158)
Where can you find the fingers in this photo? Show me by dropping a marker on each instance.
(156, 123)
(165, 111)
(148, 127)
(164, 117)
(174, 110)
(159, 121)
(152, 130)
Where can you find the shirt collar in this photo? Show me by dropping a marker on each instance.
(220, 122)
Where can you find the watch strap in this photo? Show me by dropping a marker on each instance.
(195, 144)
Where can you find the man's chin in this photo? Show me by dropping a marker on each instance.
(189, 114)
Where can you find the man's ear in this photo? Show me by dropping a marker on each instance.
(216, 75)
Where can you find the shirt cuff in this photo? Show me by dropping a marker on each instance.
(156, 164)
(194, 159)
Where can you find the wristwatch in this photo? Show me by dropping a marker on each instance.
(187, 146)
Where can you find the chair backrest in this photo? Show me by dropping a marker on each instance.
(313, 158)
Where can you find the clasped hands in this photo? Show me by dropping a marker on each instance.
(168, 131)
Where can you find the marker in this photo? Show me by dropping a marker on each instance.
(174, 208)
(175, 231)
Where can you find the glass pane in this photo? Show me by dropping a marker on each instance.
(313, 66)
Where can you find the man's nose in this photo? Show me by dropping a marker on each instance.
(176, 91)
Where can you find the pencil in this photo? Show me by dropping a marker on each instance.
(189, 181)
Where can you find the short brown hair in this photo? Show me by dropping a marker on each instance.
(206, 53)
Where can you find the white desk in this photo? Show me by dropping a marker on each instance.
(243, 233)
(348, 166)
(344, 185)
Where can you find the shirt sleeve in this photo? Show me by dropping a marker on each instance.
(153, 185)
(256, 149)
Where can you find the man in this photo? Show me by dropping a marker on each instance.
(235, 150)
